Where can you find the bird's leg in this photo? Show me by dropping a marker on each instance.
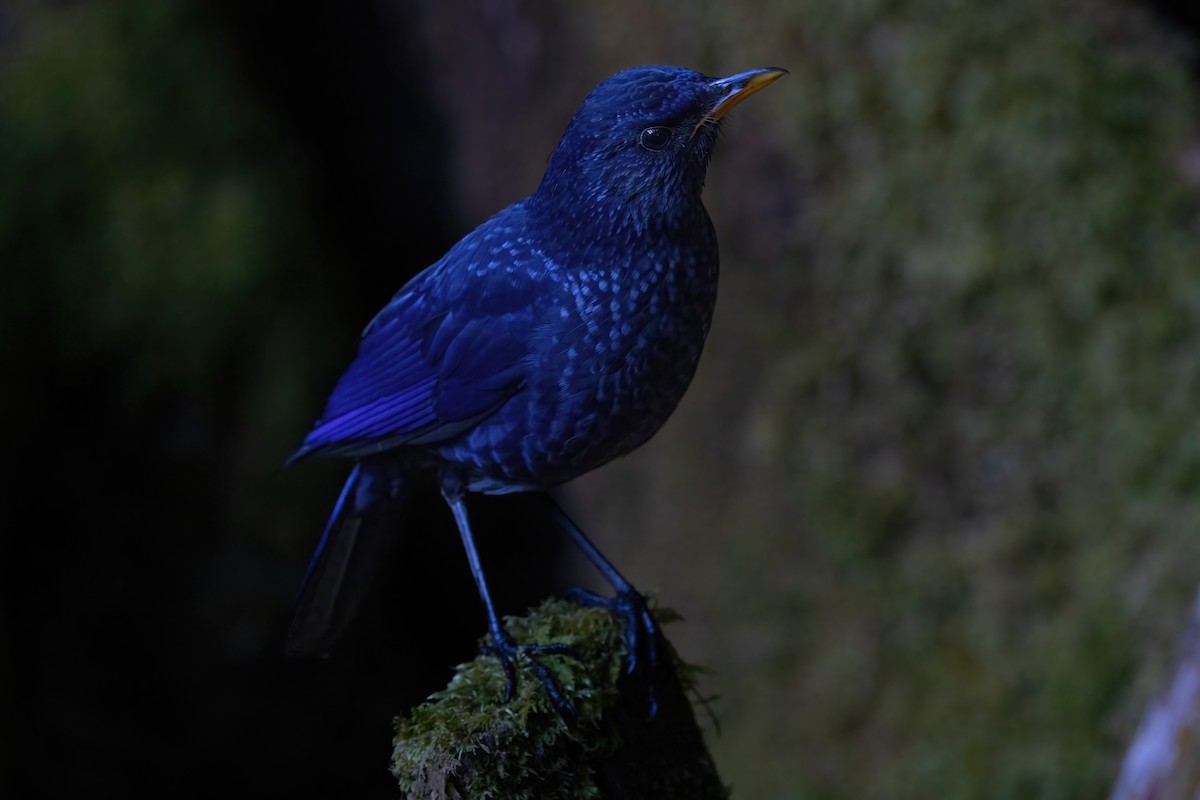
(502, 646)
(629, 605)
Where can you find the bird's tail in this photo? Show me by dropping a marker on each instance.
(361, 532)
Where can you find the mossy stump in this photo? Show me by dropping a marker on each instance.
(467, 742)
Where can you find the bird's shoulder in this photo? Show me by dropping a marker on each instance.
(501, 267)
(448, 348)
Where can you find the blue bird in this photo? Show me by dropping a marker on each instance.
(555, 337)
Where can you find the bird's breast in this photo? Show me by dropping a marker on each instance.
(617, 347)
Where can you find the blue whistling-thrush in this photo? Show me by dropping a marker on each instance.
(556, 336)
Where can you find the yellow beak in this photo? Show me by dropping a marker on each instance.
(737, 88)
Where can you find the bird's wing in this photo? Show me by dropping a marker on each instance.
(422, 374)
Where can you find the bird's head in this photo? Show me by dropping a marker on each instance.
(637, 150)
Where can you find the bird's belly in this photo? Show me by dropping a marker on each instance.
(585, 406)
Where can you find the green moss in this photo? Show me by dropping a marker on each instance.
(468, 742)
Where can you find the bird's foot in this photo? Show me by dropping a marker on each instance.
(640, 631)
(507, 652)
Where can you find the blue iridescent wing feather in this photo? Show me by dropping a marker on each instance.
(424, 374)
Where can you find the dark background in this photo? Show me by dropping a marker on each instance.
(930, 507)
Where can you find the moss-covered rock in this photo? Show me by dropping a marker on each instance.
(469, 742)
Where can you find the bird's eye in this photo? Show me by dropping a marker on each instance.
(655, 138)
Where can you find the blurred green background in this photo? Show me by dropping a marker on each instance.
(930, 508)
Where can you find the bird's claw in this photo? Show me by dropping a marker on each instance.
(639, 630)
(506, 651)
